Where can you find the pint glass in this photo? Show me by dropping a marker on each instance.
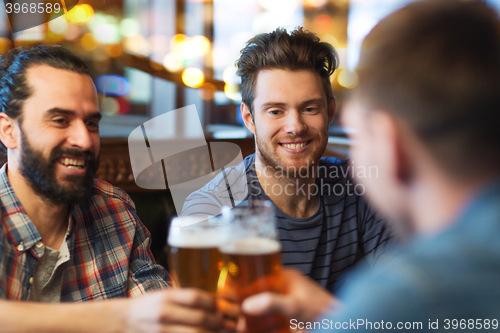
(194, 257)
(252, 262)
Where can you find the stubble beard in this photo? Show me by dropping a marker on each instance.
(271, 160)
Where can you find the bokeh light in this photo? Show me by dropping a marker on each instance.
(315, 3)
(58, 25)
(173, 62)
(88, 42)
(129, 27)
(136, 44)
(109, 105)
(207, 91)
(232, 92)
(347, 79)
(229, 76)
(193, 77)
(323, 23)
(80, 14)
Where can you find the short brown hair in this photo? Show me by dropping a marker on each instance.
(298, 50)
(435, 65)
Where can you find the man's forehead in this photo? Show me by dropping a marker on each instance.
(284, 86)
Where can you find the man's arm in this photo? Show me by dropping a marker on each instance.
(170, 310)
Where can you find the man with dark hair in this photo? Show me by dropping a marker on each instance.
(65, 236)
(324, 224)
(427, 111)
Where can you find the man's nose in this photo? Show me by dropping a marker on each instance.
(295, 123)
(80, 136)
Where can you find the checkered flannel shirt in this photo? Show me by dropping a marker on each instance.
(108, 245)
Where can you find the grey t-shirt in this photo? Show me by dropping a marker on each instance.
(47, 278)
(323, 246)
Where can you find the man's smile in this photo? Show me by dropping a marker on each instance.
(75, 163)
(295, 146)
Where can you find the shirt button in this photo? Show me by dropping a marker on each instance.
(20, 247)
(31, 280)
(39, 245)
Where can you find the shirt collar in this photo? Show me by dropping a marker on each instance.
(19, 225)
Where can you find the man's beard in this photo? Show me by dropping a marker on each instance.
(41, 174)
(271, 159)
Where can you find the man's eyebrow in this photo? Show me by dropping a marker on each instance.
(271, 104)
(312, 100)
(281, 104)
(58, 111)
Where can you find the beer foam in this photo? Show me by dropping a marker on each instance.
(251, 246)
(180, 237)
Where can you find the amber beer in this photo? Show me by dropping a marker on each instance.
(194, 258)
(253, 266)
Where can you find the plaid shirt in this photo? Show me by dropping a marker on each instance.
(108, 245)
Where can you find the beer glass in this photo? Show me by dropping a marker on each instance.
(194, 257)
(252, 262)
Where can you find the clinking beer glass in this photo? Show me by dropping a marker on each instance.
(194, 257)
(252, 262)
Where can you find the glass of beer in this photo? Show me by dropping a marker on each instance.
(194, 258)
(252, 262)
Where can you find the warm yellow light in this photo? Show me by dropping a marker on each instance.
(347, 79)
(176, 42)
(193, 77)
(232, 92)
(88, 42)
(315, 3)
(201, 45)
(81, 14)
(136, 44)
(114, 50)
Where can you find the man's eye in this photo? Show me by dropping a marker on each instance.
(60, 121)
(93, 125)
(275, 112)
(311, 110)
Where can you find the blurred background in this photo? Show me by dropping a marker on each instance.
(149, 57)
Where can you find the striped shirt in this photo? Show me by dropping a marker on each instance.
(323, 246)
(108, 247)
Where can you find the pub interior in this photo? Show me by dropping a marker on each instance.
(170, 97)
(149, 57)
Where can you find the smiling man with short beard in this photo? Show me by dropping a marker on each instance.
(65, 236)
(324, 224)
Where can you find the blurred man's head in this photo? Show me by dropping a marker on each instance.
(428, 98)
(50, 122)
(287, 96)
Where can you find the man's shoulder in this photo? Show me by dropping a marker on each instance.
(227, 187)
(104, 191)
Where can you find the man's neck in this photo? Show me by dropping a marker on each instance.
(438, 202)
(294, 196)
(50, 220)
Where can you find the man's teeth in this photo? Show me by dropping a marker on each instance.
(72, 163)
(294, 145)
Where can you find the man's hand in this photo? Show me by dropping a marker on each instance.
(304, 299)
(174, 310)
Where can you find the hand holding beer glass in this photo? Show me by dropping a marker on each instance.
(252, 262)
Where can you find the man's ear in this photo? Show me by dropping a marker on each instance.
(332, 110)
(247, 118)
(8, 133)
(392, 147)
